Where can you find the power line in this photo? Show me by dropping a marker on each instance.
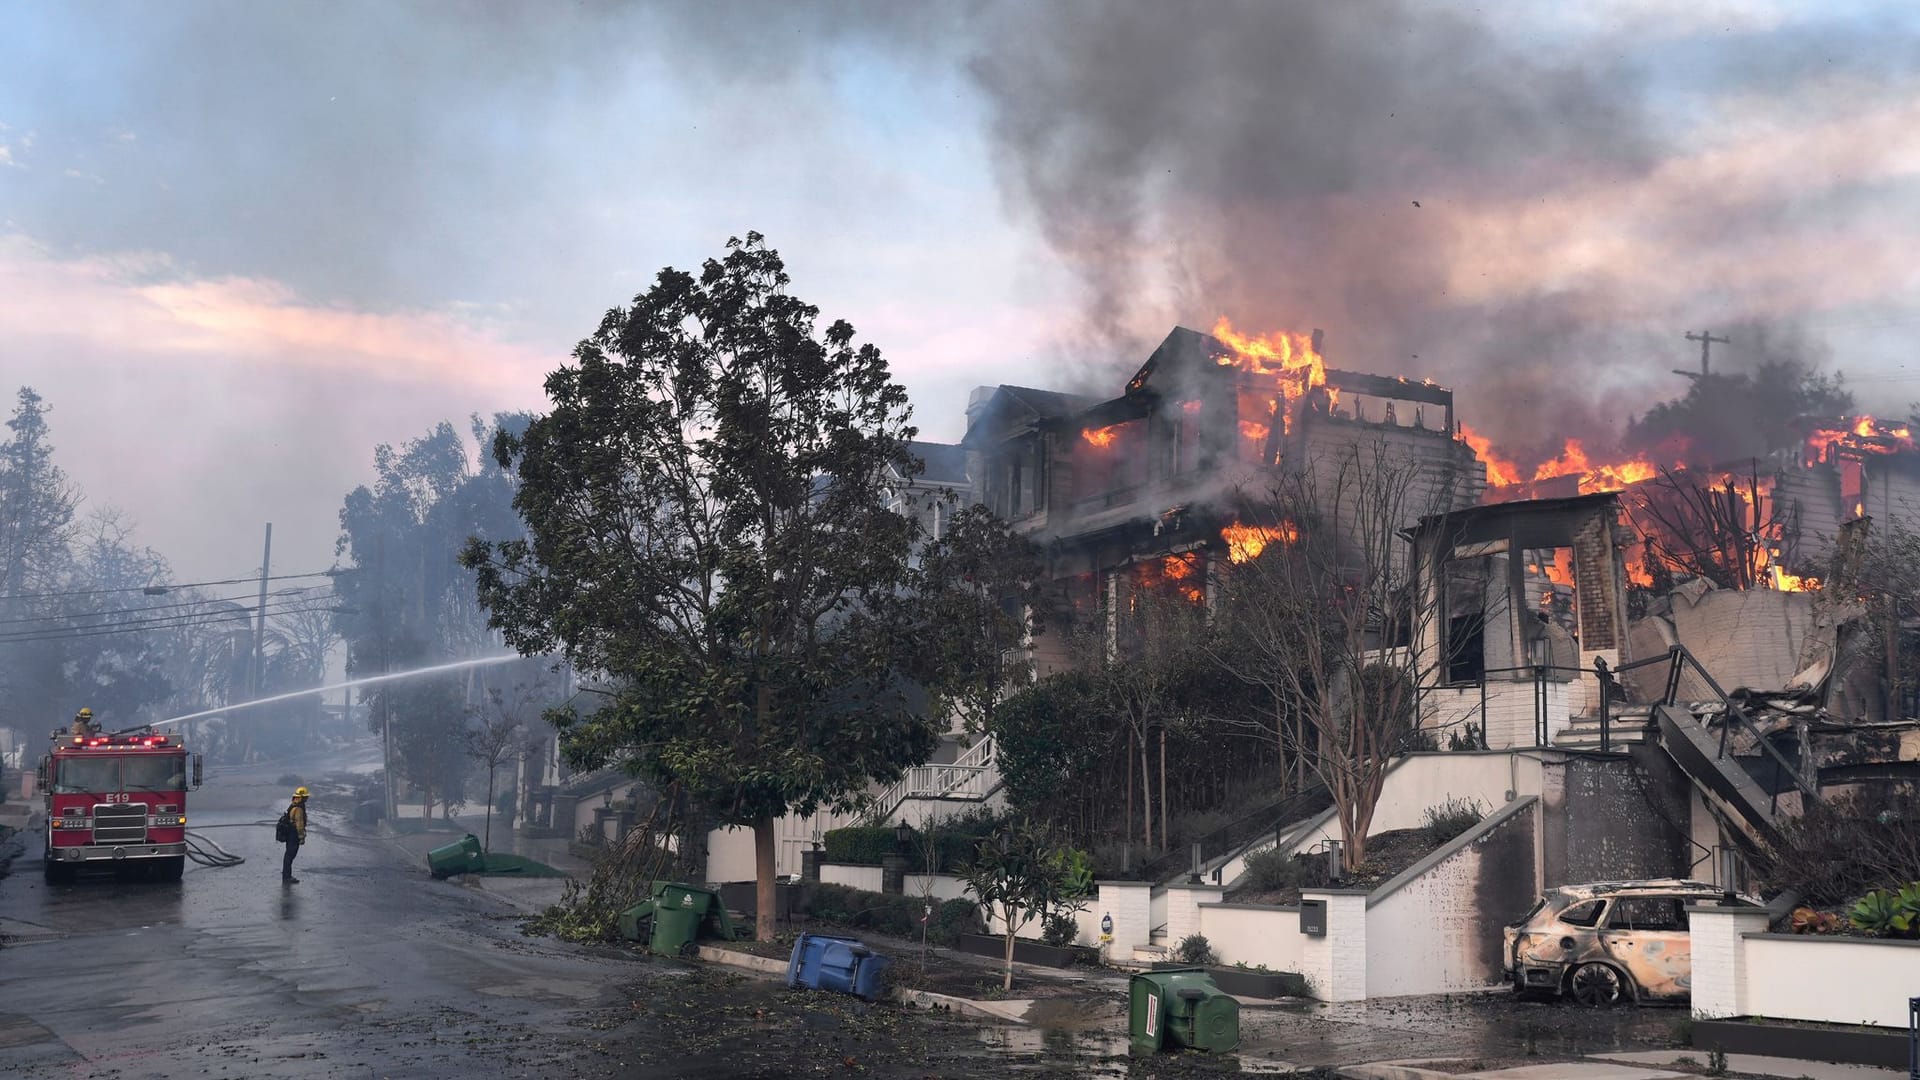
(253, 579)
(116, 612)
(171, 622)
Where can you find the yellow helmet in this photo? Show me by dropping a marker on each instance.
(86, 714)
(299, 793)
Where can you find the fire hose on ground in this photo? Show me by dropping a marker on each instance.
(218, 857)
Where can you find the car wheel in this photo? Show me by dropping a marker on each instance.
(1598, 986)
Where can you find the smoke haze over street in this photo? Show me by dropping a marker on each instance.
(242, 245)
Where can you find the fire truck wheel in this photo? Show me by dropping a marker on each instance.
(170, 868)
(58, 873)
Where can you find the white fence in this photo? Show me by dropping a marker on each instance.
(1741, 970)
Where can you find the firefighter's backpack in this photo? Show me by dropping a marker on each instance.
(283, 829)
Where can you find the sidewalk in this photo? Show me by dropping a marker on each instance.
(1643, 1065)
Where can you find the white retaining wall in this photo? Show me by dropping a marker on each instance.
(1740, 970)
(1254, 935)
(1183, 910)
(1335, 963)
(857, 877)
(1435, 929)
(945, 886)
(1421, 781)
(1130, 904)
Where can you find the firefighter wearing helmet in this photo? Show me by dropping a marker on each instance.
(293, 832)
(83, 723)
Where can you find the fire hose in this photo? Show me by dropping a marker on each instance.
(218, 857)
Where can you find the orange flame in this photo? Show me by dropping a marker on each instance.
(1285, 354)
(1289, 359)
(1864, 435)
(1251, 430)
(1246, 542)
(1500, 471)
(1786, 582)
(1101, 437)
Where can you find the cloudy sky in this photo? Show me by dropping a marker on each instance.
(242, 243)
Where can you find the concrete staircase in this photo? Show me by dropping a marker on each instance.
(1627, 726)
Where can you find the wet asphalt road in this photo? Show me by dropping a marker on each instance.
(367, 967)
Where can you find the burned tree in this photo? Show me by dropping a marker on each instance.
(1326, 620)
(1725, 528)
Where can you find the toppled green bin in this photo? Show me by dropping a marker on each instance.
(464, 857)
(679, 915)
(1181, 1008)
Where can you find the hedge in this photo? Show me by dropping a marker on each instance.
(861, 845)
(897, 916)
(867, 845)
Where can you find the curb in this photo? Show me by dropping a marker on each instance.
(1388, 1070)
(1012, 1011)
(764, 965)
(1016, 1011)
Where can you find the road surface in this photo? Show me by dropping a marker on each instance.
(369, 968)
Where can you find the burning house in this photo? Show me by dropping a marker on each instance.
(1158, 487)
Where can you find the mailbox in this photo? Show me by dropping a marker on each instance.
(1313, 917)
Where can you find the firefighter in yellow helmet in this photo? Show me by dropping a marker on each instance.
(293, 832)
(83, 723)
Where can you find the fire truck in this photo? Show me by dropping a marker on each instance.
(117, 800)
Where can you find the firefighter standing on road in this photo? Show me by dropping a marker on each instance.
(297, 817)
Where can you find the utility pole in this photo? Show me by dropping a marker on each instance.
(260, 625)
(1707, 341)
(386, 706)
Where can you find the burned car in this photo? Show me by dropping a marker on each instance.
(1608, 942)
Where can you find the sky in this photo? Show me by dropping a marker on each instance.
(242, 244)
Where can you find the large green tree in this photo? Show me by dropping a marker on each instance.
(408, 603)
(709, 540)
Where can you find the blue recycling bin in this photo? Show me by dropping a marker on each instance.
(842, 965)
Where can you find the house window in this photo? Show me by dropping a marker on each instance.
(1464, 598)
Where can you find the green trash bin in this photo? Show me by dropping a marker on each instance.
(1181, 1008)
(461, 858)
(682, 914)
(635, 917)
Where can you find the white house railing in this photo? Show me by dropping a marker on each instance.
(971, 777)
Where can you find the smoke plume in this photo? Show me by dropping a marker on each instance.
(1396, 173)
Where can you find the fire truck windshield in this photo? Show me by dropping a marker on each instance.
(77, 776)
(115, 773)
(159, 773)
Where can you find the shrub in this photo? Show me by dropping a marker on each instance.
(953, 918)
(896, 916)
(1194, 949)
(1274, 869)
(862, 845)
(1450, 819)
(1808, 921)
(1839, 849)
(1061, 930)
(1889, 912)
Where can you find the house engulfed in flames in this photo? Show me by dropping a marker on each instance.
(1532, 576)
(1146, 491)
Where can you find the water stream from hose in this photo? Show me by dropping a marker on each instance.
(350, 683)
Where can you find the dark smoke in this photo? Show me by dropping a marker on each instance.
(1264, 160)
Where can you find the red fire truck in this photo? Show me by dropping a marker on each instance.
(117, 800)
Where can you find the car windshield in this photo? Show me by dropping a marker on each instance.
(155, 773)
(87, 774)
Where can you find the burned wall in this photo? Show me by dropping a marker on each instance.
(1611, 818)
(1439, 930)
